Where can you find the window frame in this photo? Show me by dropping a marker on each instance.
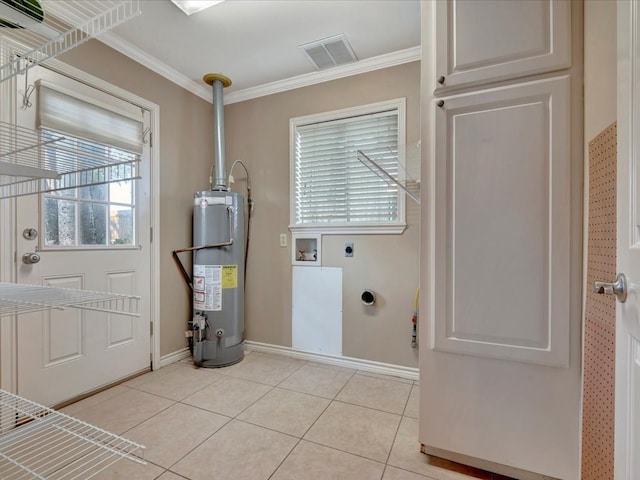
(337, 228)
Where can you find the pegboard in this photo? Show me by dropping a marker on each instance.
(600, 312)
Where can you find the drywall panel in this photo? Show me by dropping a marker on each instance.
(317, 309)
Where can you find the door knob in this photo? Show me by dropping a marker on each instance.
(30, 258)
(617, 288)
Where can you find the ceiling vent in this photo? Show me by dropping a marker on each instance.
(329, 52)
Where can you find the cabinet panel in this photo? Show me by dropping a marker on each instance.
(502, 163)
(482, 41)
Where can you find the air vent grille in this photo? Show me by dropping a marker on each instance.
(329, 52)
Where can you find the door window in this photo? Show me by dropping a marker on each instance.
(92, 203)
(97, 215)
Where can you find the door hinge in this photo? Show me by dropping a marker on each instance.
(151, 234)
(151, 328)
(150, 139)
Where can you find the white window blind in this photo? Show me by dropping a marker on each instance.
(331, 186)
(62, 111)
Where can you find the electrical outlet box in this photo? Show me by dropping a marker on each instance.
(283, 239)
(348, 249)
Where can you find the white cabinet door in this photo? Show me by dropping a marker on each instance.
(502, 160)
(497, 382)
(481, 41)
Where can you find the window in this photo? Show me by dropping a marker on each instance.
(97, 215)
(332, 191)
(95, 205)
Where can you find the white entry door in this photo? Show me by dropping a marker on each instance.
(92, 238)
(627, 407)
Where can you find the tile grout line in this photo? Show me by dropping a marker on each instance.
(407, 401)
(344, 451)
(298, 438)
(222, 426)
(395, 437)
(369, 408)
(203, 441)
(192, 406)
(312, 424)
(275, 470)
(234, 417)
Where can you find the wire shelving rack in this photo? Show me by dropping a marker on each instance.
(16, 299)
(32, 162)
(66, 24)
(37, 442)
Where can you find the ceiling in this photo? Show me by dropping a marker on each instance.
(255, 42)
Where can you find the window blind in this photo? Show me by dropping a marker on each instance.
(331, 184)
(65, 113)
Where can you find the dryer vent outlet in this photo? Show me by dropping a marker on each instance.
(368, 297)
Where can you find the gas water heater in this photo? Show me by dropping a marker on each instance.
(218, 278)
(219, 255)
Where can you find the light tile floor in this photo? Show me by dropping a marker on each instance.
(267, 417)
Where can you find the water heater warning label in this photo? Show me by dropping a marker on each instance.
(229, 276)
(207, 287)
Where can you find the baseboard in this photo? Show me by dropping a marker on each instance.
(409, 373)
(339, 361)
(174, 357)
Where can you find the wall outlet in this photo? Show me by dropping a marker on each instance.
(348, 249)
(283, 239)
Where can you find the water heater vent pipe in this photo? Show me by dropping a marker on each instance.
(218, 82)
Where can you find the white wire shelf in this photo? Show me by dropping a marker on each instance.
(66, 24)
(38, 162)
(384, 163)
(39, 443)
(17, 298)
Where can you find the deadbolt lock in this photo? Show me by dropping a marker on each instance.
(30, 233)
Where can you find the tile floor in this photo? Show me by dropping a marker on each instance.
(268, 417)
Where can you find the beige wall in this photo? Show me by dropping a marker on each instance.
(185, 157)
(600, 65)
(257, 131)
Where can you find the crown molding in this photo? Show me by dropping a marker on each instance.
(152, 63)
(363, 66)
